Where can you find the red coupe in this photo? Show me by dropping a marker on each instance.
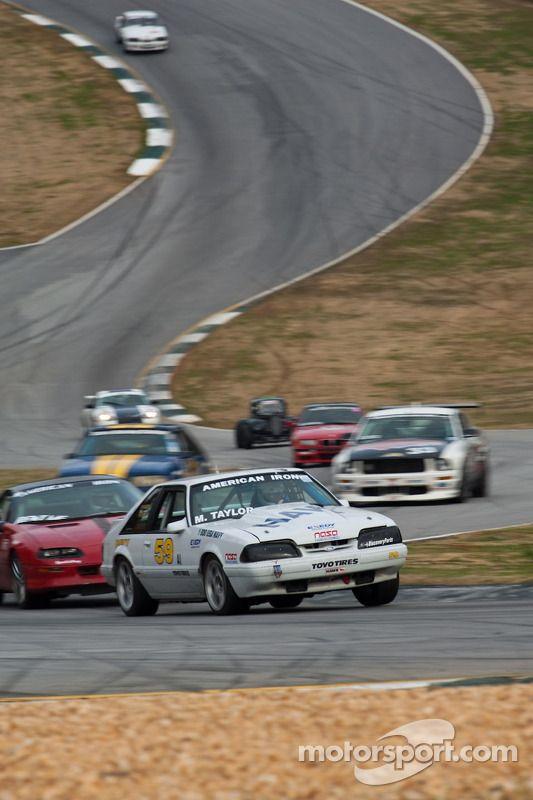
(322, 429)
(51, 535)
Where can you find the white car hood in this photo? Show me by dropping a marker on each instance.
(302, 522)
(144, 32)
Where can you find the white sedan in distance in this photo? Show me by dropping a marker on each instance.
(242, 538)
(140, 31)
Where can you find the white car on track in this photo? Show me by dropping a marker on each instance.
(140, 31)
(413, 453)
(248, 537)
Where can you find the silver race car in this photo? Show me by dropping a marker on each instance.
(413, 453)
(248, 537)
(118, 406)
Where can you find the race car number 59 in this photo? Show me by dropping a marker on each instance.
(164, 551)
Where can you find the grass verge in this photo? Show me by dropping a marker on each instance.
(243, 745)
(452, 288)
(68, 131)
(12, 477)
(489, 557)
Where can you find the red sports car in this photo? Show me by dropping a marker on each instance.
(51, 535)
(322, 429)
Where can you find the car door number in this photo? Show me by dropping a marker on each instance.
(164, 551)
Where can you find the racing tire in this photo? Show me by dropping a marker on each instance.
(23, 597)
(377, 594)
(464, 491)
(291, 601)
(133, 598)
(243, 436)
(481, 489)
(275, 425)
(218, 590)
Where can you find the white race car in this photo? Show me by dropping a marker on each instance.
(140, 30)
(248, 537)
(117, 406)
(413, 453)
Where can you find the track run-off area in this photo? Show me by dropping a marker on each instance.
(302, 130)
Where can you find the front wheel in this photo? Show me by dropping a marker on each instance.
(133, 598)
(243, 436)
(291, 601)
(23, 597)
(378, 594)
(218, 590)
(481, 488)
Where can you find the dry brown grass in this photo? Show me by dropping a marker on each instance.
(489, 557)
(244, 745)
(68, 131)
(12, 477)
(438, 310)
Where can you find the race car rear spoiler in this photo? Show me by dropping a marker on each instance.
(465, 404)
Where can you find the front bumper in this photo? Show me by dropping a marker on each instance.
(65, 578)
(145, 46)
(394, 487)
(320, 456)
(343, 568)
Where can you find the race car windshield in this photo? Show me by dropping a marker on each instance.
(330, 415)
(144, 20)
(407, 427)
(235, 497)
(98, 497)
(269, 407)
(122, 400)
(141, 443)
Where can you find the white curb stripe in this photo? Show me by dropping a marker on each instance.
(170, 360)
(143, 166)
(159, 137)
(37, 19)
(220, 319)
(151, 110)
(76, 39)
(132, 85)
(108, 62)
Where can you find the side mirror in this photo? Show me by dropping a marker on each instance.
(69, 455)
(469, 432)
(178, 526)
(1, 525)
(344, 502)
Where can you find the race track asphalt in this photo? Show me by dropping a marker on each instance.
(89, 647)
(303, 128)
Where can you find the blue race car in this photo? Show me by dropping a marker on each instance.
(144, 454)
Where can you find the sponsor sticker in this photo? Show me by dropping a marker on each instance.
(328, 534)
(209, 534)
(341, 562)
(233, 482)
(230, 556)
(278, 572)
(38, 489)
(195, 542)
(394, 554)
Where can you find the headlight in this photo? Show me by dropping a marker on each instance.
(441, 463)
(150, 414)
(269, 551)
(378, 537)
(60, 552)
(104, 415)
(306, 442)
